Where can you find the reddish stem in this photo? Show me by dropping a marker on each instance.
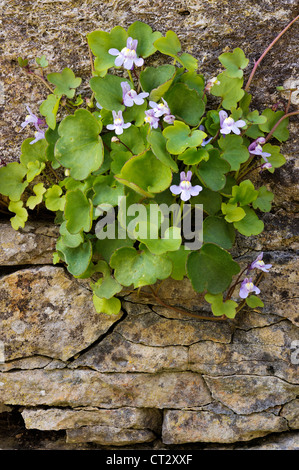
(266, 51)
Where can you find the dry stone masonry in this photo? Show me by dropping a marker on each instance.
(150, 375)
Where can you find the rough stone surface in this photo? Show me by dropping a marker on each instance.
(75, 388)
(58, 418)
(34, 244)
(107, 435)
(46, 312)
(180, 427)
(104, 381)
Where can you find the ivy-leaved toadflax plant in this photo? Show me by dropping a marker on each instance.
(145, 163)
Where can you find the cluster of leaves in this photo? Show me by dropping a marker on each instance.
(80, 165)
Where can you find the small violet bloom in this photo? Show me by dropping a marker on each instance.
(118, 123)
(247, 287)
(39, 135)
(127, 56)
(259, 264)
(130, 96)
(162, 109)
(185, 188)
(228, 125)
(151, 119)
(255, 148)
(33, 119)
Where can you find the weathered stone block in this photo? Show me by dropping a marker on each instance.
(44, 311)
(108, 435)
(56, 419)
(75, 388)
(180, 427)
(34, 244)
(251, 394)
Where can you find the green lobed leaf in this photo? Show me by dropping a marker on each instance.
(108, 306)
(42, 61)
(145, 37)
(69, 239)
(108, 91)
(77, 259)
(220, 308)
(211, 268)
(49, 109)
(31, 153)
(232, 212)
(217, 230)
(180, 136)
(34, 169)
(80, 148)
(21, 214)
(276, 159)
(264, 199)
(152, 78)
(145, 174)
(158, 145)
(281, 133)
(234, 62)
(253, 301)
(188, 61)
(244, 193)
(106, 287)
(139, 268)
(171, 241)
(66, 82)
(39, 191)
(233, 150)
(193, 156)
(54, 200)
(169, 45)
(211, 201)
(185, 103)
(11, 180)
(229, 89)
(250, 224)
(107, 190)
(179, 260)
(101, 41)
(212, 172)
(78, 211)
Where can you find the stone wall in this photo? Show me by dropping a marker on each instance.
(149, 376)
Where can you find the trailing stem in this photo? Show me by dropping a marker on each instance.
(257, 63)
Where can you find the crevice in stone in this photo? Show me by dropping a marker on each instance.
(100, 338)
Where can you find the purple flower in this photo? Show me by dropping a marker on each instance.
(169, 118)
(228, 125)
(127, 56)
(247, 287)
(162, 109)
(30, 119)
(266, 166)
(151, 119)
(33, 119)
(185, 188)
(258, 263)
(36, 121)
(118, 123)
(130, 96)
(255, 148)
(39, 135)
